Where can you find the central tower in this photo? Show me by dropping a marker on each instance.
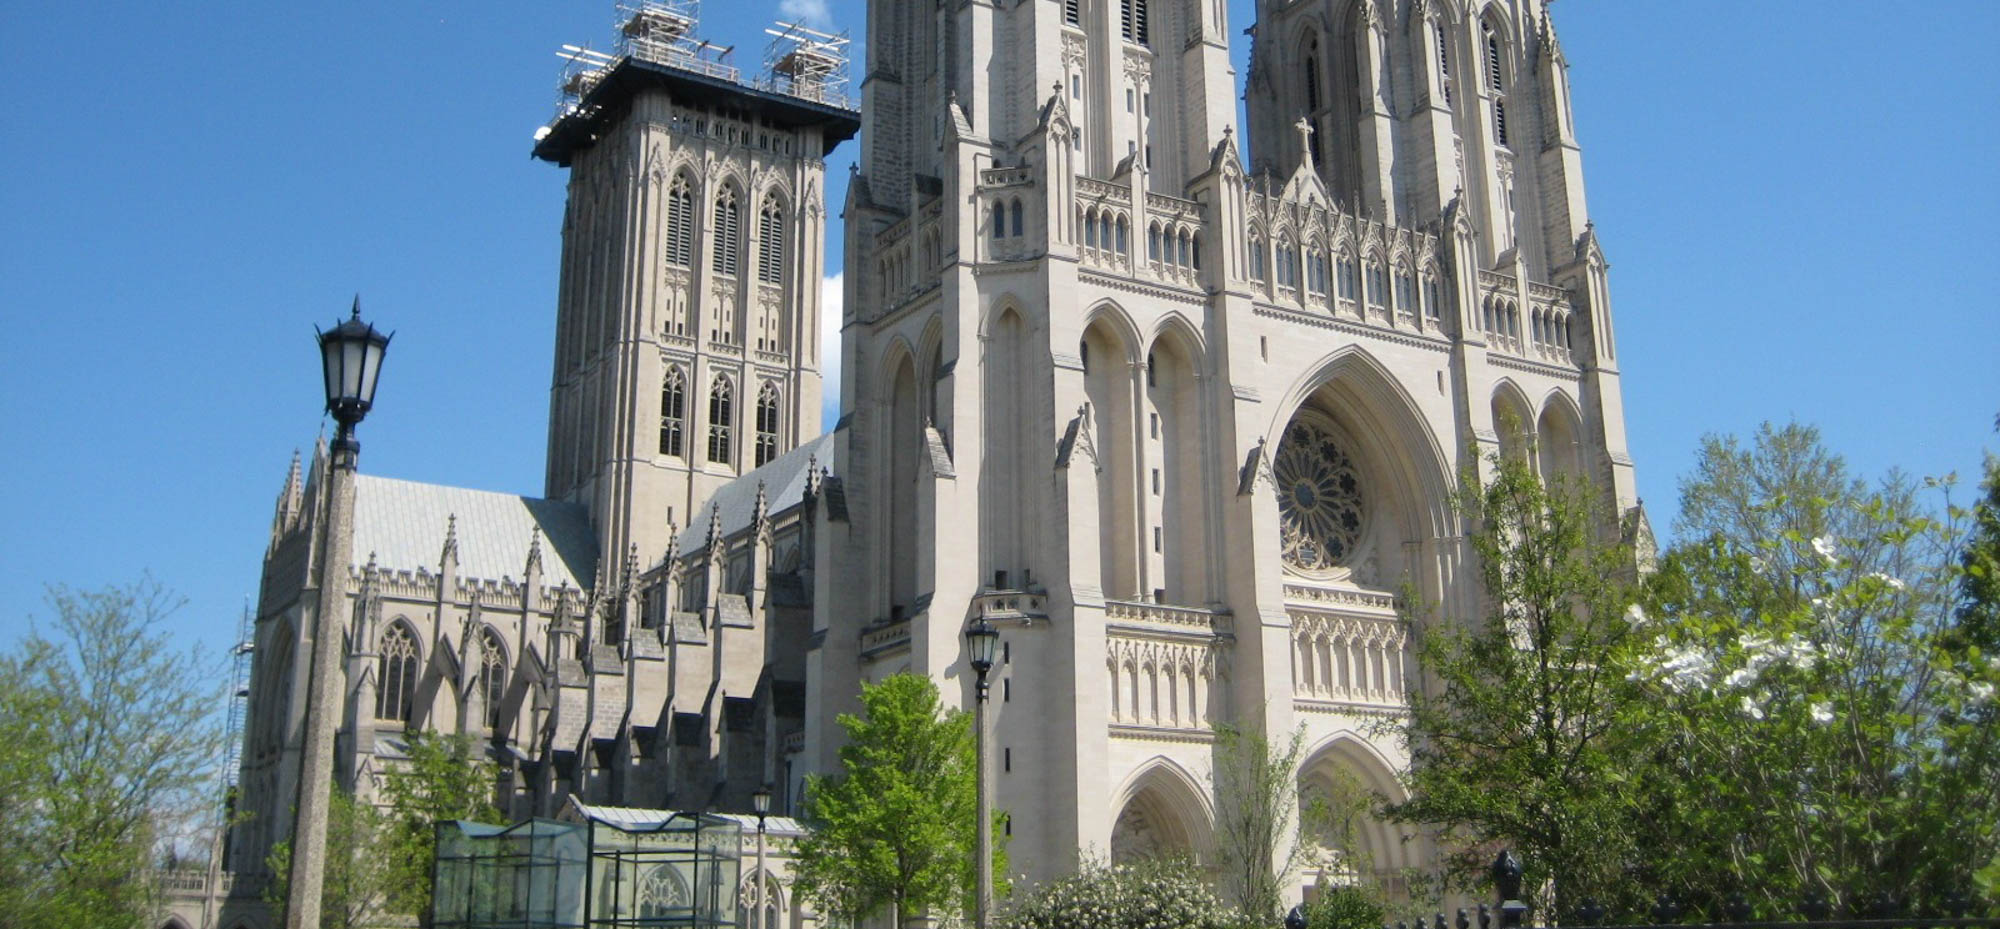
(1186, 426)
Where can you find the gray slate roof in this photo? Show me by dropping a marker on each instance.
(403, 523)
(784, 480)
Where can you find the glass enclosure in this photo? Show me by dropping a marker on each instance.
(543, 874)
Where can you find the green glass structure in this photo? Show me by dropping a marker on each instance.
(544, 874)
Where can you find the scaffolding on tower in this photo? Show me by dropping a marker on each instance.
(662, 32)
(807, 63)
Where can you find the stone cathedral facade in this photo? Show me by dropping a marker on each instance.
(1180, 403)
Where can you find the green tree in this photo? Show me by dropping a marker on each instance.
(445, 778)
(1257, 817)
(356, 889)
(1513, 742)
(1817, 713)
(108, 742)
(897, 827)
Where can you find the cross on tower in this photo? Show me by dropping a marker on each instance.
(1305, 128)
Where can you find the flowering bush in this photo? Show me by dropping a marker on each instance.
(1155, 894)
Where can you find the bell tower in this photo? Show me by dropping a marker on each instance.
(687, 322)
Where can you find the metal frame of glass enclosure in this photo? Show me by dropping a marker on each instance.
(544, 874)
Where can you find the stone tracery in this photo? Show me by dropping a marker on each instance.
(1319, 500)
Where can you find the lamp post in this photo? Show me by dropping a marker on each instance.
(351, 359)
(760, 800)
(981, 639)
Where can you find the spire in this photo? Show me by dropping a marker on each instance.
(534, 568)
(450, 553)
(632, 566)
(763, 505)
(714, 529)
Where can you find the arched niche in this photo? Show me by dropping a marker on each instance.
(1161, 814)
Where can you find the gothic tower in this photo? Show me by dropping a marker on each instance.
(1186, 427)
(687, 333)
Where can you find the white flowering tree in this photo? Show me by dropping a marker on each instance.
(1815, 718)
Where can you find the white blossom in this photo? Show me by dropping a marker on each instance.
(1636, 615)
(1740, 677)
(1824, 546)
(1980, 692)
(1890, 579)
(1752, 708)
(1822, 712)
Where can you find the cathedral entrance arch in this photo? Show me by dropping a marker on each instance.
(1341, 782)
(1161, 814)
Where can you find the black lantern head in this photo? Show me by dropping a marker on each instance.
(1507, 875)
(760, 801)
(982, 639)
(351, 354)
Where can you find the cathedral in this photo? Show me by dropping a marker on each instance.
(1178, 403)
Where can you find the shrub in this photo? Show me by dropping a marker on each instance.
(1345, 908)
(1158, 894)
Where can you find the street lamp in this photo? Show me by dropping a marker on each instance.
(351, 359)
(981, 639)
(760, 801)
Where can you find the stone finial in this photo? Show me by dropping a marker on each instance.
(535, 551)
(450, 553)
(763, 506)
(632, 564)
(714, 526)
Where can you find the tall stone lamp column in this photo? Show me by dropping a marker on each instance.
(981, 639)
(351, 356)
(760, 801)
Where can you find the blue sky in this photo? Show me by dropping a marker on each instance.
(1798, 211)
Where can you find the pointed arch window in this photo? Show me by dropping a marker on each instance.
(999, 220)
(767, 423)
(680, 222)
(1350, 278)
(1257, 258)
(719, 434)
(1288, 269)
(492, 682)
(1406, 291)
(1444, 62)
(1433, 309)
(1496, 82)
(673, 411)
(1312, 75)
(1015, 223)
(728, 232)
(771, 242)
(396, 674)
(1378, 285)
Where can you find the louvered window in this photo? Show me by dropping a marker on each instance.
(728, 232)
(718, 421)
(1444, 63)
(767, 424)
(673, 412)
(771, 243)
(680, 223)
(1132, 20)
(1073, 12)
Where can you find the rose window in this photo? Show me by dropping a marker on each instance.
(1319, 498)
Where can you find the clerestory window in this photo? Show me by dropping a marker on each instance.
(719, 434)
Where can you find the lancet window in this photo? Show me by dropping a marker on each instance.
(492, 684)
(396, 672)
(680, 222)
(728, 232)
(719, 434)
(1496, 82)
(771, 242)
(767, 423)
(673, 411)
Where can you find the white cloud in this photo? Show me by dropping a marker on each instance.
(831, 290)
(811, 12)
